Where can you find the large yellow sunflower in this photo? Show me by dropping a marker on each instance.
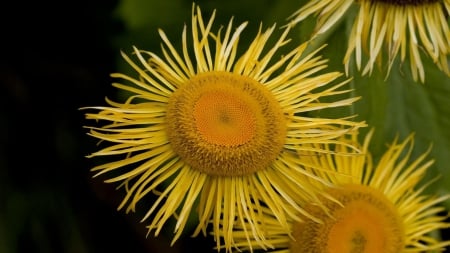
(216, 131)
(373, 208)
(405, 27)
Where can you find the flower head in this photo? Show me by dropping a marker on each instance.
(404, 27)
(209, 130)
(373, 208)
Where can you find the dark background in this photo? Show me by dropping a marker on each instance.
(56, 57)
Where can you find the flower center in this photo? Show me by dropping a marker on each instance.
(225, 124)
(406, 2)
(366, 223)
(224, 119)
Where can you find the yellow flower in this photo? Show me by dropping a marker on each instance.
(404, 27)
(371, 209)
(216, 131)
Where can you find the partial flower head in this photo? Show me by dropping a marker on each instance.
(211, 130)
(373, 208)
(403, 27)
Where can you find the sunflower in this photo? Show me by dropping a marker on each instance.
(217, 132)
(372, 208)
(404, 27)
